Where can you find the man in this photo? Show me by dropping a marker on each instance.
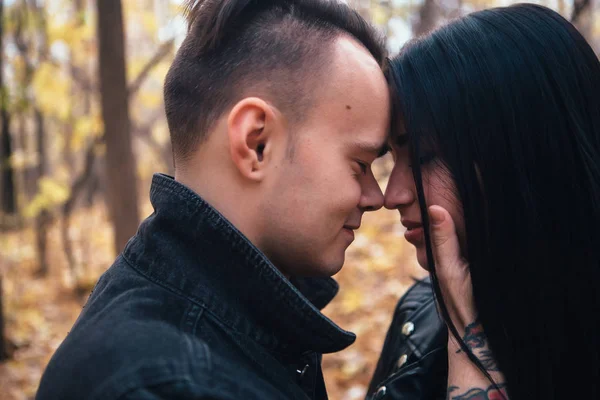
(276, 110)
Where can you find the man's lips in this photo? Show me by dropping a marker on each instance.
(349, 229)
(352, 227)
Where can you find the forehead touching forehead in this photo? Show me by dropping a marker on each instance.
(354, 100)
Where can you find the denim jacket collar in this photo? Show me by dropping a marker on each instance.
(189, 247)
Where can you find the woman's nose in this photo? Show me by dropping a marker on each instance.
(399, 191)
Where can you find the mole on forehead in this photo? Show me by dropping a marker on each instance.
(348, 107)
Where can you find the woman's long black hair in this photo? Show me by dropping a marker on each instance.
(510, 100)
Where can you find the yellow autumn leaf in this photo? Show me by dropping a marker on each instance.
(52, 91)
(50, 193)
(380, 16)
(33, 208)
(352, 300)
(59, 32)
(69, 30)
(160, 133)
(87, 126)
(20, 160)
(56, 192)
(149, 21)
(150, 99)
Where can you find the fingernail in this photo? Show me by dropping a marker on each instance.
(437, 215)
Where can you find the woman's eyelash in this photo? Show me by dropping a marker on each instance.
(424, 159)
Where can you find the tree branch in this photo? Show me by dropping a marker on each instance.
(80, 76)
(579, 6)
(162, 52)
(85, 83)
(81, 180)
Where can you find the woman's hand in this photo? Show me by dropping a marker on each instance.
(452, 269)
(465, 380)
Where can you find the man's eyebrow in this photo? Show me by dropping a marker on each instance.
(378, 150)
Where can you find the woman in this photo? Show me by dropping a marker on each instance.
(498, 128)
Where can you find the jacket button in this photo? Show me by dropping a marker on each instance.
(302, 372)
(408, 328)
(402, 360)
(380, 393)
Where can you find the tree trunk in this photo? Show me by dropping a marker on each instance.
(3, 341)
(8, 203)
(120, 163)
(561, 7)
(7, 183)
(582, 17)
(25, 41)
(428, 15)
(43, 219)
(83, 92)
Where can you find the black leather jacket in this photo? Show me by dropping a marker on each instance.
(414, 360)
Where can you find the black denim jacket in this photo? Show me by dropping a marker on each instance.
(192, 310)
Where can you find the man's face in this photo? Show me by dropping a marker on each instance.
(318, 195)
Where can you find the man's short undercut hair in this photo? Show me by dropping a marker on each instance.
(238, 48)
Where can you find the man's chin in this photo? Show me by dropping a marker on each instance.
(333, 271)
(336, 266)
(324, 269)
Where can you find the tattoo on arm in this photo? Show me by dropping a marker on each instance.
(487, 360)
(497, 392)
(477, 342)
(474, 336)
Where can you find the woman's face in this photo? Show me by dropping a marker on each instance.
(438, 187)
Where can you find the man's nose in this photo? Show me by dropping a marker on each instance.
(399, 191)
(372, 197)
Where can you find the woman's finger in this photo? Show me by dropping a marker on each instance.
(446, 249)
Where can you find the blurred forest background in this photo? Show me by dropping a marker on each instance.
(83, 130)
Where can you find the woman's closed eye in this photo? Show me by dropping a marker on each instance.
(425, 158)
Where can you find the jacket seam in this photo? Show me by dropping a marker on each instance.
(131, 384)
(157, 369)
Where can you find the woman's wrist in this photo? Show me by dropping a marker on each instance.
(465, 379)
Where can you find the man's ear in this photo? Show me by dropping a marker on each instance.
(250, 126)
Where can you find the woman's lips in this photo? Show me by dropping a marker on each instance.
(414, 235)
